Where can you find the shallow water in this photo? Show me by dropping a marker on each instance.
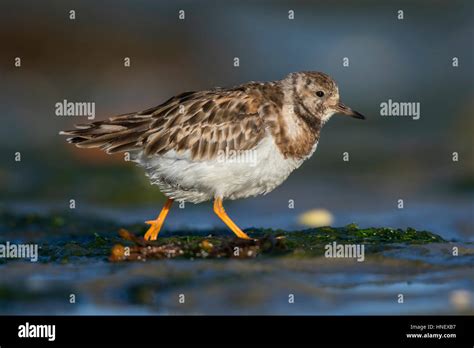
(320, 286)
(430, 278)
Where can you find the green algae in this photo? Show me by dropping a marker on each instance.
(68, 238)
(267, 242)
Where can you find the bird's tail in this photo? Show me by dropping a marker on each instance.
(117, 134)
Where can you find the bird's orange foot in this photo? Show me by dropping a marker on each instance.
(155, 227)
(243, 235)
(220, 212)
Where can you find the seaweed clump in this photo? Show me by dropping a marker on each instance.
(266, 242)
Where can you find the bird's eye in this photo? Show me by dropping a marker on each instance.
(320, 94)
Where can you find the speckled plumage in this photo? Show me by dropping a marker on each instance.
(180, 143)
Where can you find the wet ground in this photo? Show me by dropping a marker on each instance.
(280, 272)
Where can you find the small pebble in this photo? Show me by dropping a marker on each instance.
(460, 299)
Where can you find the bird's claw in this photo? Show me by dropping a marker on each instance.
(152, 232)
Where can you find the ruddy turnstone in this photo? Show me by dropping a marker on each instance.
(196, 146)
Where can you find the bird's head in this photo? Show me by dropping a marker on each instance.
(317, 94)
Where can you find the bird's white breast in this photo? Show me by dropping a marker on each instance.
(253, 172)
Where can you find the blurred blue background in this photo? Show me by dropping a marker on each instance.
(390, 158)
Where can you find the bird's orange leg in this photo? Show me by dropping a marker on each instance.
(156, 225)
(220, 212)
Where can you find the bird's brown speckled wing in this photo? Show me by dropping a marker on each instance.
(202, 122)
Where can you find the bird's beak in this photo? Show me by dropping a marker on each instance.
(341, 108)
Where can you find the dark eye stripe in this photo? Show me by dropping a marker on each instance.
(320, 94)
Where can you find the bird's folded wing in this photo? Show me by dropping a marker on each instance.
(199, 122)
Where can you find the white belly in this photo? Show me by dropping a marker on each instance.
(254, 172)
